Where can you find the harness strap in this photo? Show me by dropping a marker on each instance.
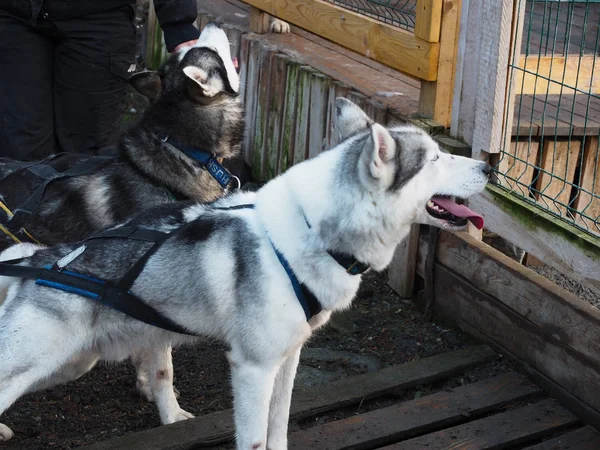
(96, 289)
(49, 174)
(205, 159)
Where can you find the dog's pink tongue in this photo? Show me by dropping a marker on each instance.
(459, 210)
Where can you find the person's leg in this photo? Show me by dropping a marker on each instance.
(91, 65)
(26, 94)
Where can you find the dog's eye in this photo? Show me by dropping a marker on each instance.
(436, 158)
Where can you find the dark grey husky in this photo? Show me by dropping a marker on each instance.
(195, 120)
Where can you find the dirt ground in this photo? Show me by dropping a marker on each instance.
(380, 330)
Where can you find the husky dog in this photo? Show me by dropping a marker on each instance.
(195, 109)
(243, 269)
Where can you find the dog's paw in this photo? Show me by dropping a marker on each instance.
(178, 416)
(279, 26)
(5, 433)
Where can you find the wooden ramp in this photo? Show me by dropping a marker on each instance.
(502, 411)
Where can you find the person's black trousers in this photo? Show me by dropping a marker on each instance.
(63, 82)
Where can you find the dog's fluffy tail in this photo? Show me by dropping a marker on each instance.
(14, 252)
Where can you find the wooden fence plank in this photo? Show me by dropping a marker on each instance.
(319, 92)
(411, 418)
(556, 311)
(550, 240)
(559, 161)
(458, 300)
(243, 63)
(385, 43)
(251, 94)
(261, 120)
(216, 428)
(274, 126)
(590, 181)
(518, 164)
(586, 438)
(302, 114)
(428, 20)
(288, 128)
(504, 430)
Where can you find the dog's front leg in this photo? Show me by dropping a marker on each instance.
(160, 366)
(252, 384)
(279, 412)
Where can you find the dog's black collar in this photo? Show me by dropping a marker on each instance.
(352, 265)
(206, 160)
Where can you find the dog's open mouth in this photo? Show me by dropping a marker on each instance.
(446, 208)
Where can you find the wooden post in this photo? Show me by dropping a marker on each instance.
(401, 274)
(436, 96)
(259, 20)
(428, 20)
(288, 133)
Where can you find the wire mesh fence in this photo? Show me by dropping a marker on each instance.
(551, 146)
(400, 13)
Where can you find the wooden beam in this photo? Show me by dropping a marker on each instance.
(570, 251)
(385, 43)
(470, 308)
(494, 49)
(557, 75)
(436, 97)
(551, 308)
(428, 20)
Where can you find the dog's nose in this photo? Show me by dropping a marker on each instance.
(487, 169)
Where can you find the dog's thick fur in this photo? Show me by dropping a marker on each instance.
(218, 274)
(195, 101)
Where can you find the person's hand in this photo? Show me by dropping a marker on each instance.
(184, 45)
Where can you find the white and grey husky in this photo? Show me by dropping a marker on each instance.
(260, 271)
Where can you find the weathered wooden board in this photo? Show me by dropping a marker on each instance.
(274, 125)
(243, 64)
(426, 414)
(511, 428)
(590, 181)
(288, 128)
(390, 45)
(262, 119)
(559, 162)
(458, 300)
(319, 93)
(574, 322)
(251, 94)
(302, 114)
(586, 438)
(218, 427)
(569, 251)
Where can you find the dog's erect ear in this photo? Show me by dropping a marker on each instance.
(349, 119)
(383, 151)
(200, 85)
(214, 37)
(147, 83)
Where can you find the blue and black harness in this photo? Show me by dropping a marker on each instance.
(118, 295)
(13, 220)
